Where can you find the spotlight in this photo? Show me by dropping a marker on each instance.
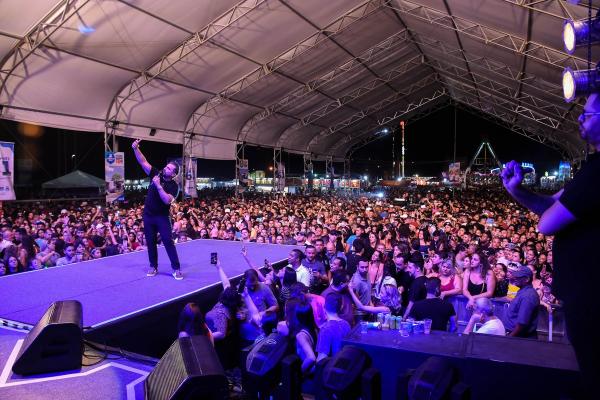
(385, 131)
(579, 83)
(152, 131)
(577, 33)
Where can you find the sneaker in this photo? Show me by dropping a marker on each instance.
(177, 274)
(152, 271)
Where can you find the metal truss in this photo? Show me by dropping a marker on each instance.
(496, 98)
(500, 119)
(354, 94)
(498, 67)
(36, 36)
(190, 45)
(276, 173)
(541, 6)
(358, 116)
(489, 35)
(225, 95)
(547, 110)
(381, 48)
(503, 114)
(423, 110)
(187, 154)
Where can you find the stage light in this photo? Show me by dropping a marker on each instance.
(577, 33)
(385, 131)
(380, 195)
(366, 177)
(579, 83)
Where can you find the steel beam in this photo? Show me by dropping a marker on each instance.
(490, 36)
(37, 35)
(358, 116)
(408, 108)
(340, 24)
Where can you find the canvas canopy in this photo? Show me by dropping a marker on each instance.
(75, 180)
(306, 76)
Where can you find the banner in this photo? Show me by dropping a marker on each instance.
(454, 172)
(7, 176)
(280, 177)
(191, 169)
(114, 176)
(243, 181)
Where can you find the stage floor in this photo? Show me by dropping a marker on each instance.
(109, 379)
(115, 288)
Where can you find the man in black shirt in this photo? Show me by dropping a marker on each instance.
(439, 311)
(162, 191)
(573, 216)
(417, 290)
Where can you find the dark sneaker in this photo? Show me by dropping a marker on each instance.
(177, 274)
(152, 271)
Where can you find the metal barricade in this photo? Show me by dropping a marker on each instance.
(549, 324)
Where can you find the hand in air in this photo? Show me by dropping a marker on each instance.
(156, 180)
(512, 175)
(136, 144)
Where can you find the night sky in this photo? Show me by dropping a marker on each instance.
(429, 149)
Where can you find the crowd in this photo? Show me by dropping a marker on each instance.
(360, 256)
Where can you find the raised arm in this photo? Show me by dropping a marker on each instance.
(512, 177)
(223, 276)
(140, 157)
(261, 276)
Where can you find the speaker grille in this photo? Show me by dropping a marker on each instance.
(168, 375)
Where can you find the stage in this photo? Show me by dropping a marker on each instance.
(123, 307)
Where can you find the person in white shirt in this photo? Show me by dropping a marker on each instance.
(484, 314)
(303, 274)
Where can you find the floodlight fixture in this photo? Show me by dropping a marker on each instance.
(580, 83)
(579, 33)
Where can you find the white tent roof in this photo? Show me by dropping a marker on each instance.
(309, 76)
(75, 180)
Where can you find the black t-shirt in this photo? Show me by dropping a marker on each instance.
(154, 206)
(404, 279)
(436, 309)
(417, 289)
(352, 260)
(575, 247)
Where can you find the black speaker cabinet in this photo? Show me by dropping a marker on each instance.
(189, 370)
(55, 343)
(267, 354)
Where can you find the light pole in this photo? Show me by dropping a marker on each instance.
(402, 163)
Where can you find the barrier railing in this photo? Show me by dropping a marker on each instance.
(549, 324)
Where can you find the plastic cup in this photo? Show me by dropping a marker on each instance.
(427, 326)
(405, 328)
(364, 326)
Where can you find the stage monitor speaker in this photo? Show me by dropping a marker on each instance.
(342, 372)
(189, 370)
(432, 380)
(267, 354)
(55, 343)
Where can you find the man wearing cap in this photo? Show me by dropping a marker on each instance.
(162, 191)
(522, 314)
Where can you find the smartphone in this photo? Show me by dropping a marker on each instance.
(213, 258)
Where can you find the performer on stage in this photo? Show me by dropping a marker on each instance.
(162, 191)
(573, 216)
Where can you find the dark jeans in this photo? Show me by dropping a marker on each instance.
(580, 316)
(160, 224)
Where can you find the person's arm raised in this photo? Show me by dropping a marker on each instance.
(512, 178)
(141, 159)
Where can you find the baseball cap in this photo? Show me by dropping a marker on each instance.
(63, 211)
(100, 226)
(388, 280)
(520, 271)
